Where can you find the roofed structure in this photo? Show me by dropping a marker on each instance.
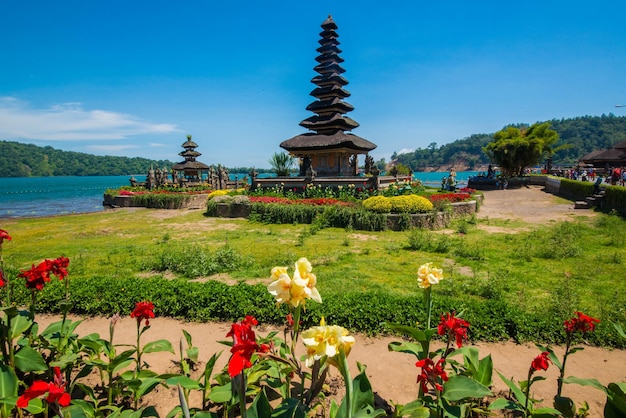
(612, 157)
(328, 150)
(189, 170)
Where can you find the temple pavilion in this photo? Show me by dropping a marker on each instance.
(328, 150)
(189, 171)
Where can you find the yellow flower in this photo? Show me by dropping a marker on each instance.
(294, 291)
(427, 275)
(280, 288)
(325, 340)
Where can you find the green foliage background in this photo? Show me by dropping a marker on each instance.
(28, 160)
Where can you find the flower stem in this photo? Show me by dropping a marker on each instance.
(530, 373)
(562, 369)
(429, 305)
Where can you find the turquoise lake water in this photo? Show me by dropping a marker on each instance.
(46, 196)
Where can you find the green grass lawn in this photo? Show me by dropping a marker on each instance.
(549, 271)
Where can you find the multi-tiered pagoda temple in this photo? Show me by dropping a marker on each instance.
(328, 150)
(189, 171)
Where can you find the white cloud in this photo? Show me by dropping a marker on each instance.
(110, 148)
(71, 122)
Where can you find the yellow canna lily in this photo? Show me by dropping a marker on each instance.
(325, 340)
(427, 275)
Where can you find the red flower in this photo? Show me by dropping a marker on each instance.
(59, 267)
(582, 323)
(56, 391)
(37, 276)
(244, 345)
(3, 281)
(541, 362)
(431, 373)
(143, 310)
(4, 235)
(453, 327)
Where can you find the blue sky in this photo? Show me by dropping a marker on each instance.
(133, 78)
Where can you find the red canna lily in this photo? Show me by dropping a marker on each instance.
(581, 322)
(453, 327)
(37, 276)
(4, 235)
(244, 345)
(432, 373)
(143, 310)
(3, 281)
(56, 391)
(541, 362)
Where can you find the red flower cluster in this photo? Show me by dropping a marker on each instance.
(541, 362)
(4, 235)
(56, 391)
(322, 201)
(143, 310)
(453, 327)
(431, 373)
(467, 190)
(581, 322)
(37, 276)
(244, 345)
(450, 197)
(3, 281)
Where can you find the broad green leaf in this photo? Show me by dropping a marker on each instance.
(158, 346)
(291, 408)
(79, 409)
(594, 383)
(19, 323)
(183, 381)
(565, 406)
(187, 337)
(147, 385)
(619, 329)
(405, 347)
(8, 388)
(221, 394)
(461, 387)
(28, 359)
(260, 407)
(545, 413)
(616, 400)
(485, 371)
(183, 402)
(502, 403)
(519, 395)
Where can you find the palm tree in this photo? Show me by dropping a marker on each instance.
(281, 163)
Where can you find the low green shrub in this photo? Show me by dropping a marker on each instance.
(366, 312)
(160, 201)
(411, 203)
(379, 204)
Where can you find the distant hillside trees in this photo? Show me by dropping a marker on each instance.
(28, 160)
(514, 149)
(577, 137)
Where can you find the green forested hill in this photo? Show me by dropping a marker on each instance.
(582, 135)
(27, 160)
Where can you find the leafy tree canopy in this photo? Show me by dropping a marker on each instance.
(514, 149)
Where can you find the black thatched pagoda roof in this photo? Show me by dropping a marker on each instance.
(329, 122)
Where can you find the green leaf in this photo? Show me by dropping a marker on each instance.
(158, 346)
(485, 371)
(19, 323)
(405, 347)
(221, 394)
(519, 395)
(461, 387)
(616, 400)
(594, 383)
(260, 407)
(28, 359)
(619, 329)
(291, 408)
(545, 413)
(146, 386)
(507, 404)
(183, 381)
(8, 388)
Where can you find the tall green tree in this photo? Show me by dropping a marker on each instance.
(513, 149)
(281, 163)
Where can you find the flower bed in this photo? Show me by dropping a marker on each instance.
(45, 372)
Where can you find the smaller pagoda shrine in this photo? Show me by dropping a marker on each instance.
(190, 171)
(329, 151)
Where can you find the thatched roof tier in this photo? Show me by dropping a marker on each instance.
(331, 105)
(329, 49)
(329, 80)
(314, 142)
(325, 123)
(190, 165)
